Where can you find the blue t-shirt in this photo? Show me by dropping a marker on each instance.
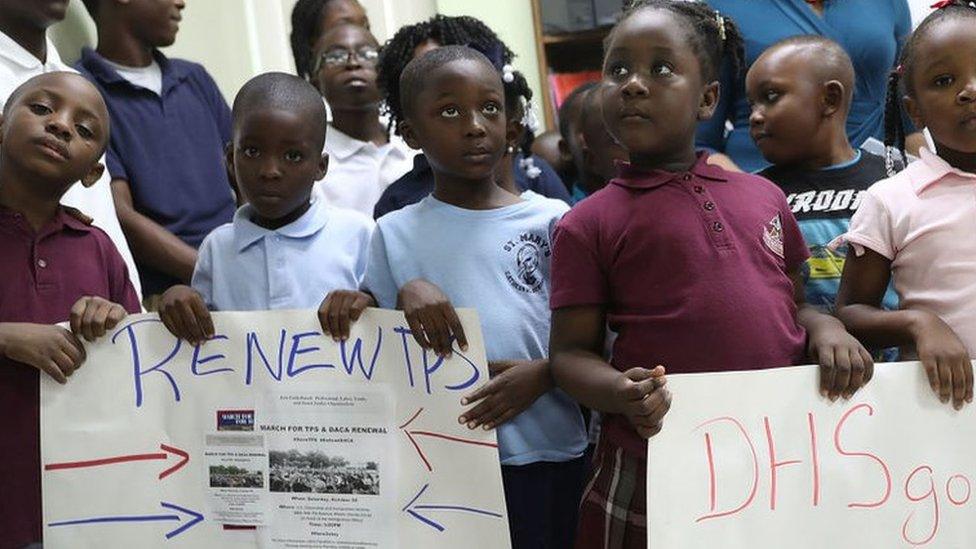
(872, 32)
(495, 261)
(245, 267)
(170, 149)
(419, 182)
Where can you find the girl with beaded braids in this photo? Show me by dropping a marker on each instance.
(522, 171)
(915, 228)
(672, 255)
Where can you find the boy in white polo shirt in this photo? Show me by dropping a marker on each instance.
(283, 250)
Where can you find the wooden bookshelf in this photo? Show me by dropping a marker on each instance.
(565, 52)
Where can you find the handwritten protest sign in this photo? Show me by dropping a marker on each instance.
(759, 459)
(270, 435)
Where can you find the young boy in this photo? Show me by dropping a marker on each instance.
(801, 90)
(598, 151)
(488, 249)
(54, 265)
(170, 124)
(283, 250)
(25, 52)
(364, 159)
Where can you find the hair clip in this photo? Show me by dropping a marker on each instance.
(942, 4)
(721, 25)
(508, 74)
(529, 119)
(900, 70)
(531, 170)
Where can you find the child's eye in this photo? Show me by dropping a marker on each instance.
(618, 71)
(250, 152)
(662, 69)
(943, 81)
(491, 108)
(450, 112)
(293, 156)
(770, 96)
(84, 131)
(40, 109)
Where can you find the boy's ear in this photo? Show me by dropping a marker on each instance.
(911, 107)
(229, 158)
(833, 97)
(93, 175)
(709, 100)
(406, 132)
(323, 166)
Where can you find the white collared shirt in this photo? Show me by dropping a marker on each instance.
(18, 65)
(359, 171)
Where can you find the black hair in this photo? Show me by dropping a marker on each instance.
(572, 106)
(279, 90)
(446, 31)
(900, 79)
(306, 26)
(831, 60)
(714, 37)
(417, 70)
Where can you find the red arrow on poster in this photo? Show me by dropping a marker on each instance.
(167, 451)
(416, 433)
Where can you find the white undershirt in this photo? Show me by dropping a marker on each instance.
(149, 77)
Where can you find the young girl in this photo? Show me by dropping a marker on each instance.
(695, 268)
(522, 171)
(489, 249)
(916, 227)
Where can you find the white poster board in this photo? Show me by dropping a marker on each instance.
(270, 435)
(759, 459)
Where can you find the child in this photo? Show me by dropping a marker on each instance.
(568, 117)
(452, 105)
(27, 51)
(695, 268)
(915, 228)
(282, 251)
(530, 173)
(598, 151)
(364, 159)
(54, 265)
(311, 18)
(801, 90)
(170, 124)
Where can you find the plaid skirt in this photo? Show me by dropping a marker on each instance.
(613, 509)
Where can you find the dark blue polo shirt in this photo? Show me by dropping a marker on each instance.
(416, 184)
(170, 148)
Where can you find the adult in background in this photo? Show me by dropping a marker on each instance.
(871, 31)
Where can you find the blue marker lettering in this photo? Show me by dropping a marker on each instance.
(197, 361)
(253, 344)
(404, 332)
(137, 371)
(357, 355)
(296, 341)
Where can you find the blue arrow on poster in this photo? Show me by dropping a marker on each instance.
(414, 510)
(186, 517)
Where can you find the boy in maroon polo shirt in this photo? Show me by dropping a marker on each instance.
(694, 268)
(54, 265)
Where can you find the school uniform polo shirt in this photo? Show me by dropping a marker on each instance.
(921, 219)
(359, 171)
(245, 267)
(692, 269)
(170, 149)
(17, 66)
(44, 273)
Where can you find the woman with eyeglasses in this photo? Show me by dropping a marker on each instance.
(335, 51)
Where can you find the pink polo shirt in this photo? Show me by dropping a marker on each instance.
(924, 220)
(692, 268)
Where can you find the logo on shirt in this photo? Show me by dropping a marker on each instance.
(527, 252)
(773, 235)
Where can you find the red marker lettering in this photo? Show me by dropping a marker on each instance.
(935, 505)
(773, 464)
(969, 490)
(711, 469)
(879, 461)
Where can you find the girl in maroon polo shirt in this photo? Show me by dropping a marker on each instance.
(694, 267)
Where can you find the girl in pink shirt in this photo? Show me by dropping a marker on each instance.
(916, 227)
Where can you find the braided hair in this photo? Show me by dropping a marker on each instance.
(900, 79)
(713, 36)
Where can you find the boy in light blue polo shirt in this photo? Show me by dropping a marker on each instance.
(282, 251)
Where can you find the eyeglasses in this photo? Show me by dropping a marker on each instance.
(336, 57)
